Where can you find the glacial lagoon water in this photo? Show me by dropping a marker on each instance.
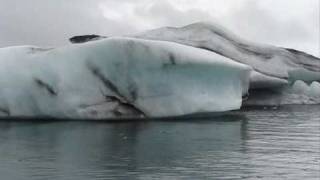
(252, 144)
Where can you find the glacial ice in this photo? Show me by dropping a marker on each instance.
(312, 90)
(261, 81)
(300, 87)
(118, 77)
(315, 89)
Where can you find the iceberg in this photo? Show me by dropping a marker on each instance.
(198, 68)
(118, 77)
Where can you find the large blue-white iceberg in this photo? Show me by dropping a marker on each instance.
(116, 78)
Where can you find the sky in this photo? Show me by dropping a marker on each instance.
(286, 23)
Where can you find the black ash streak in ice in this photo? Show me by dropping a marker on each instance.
(46, 86)
(172, 61)
(85, 38)
(123, 101)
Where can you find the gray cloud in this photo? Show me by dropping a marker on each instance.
(45, 22)
(290, 23)
(283, 28)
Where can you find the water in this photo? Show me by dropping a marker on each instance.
(254, 144)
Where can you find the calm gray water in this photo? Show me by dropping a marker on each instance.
(256, 144)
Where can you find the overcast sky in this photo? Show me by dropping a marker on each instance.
(288, 23)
